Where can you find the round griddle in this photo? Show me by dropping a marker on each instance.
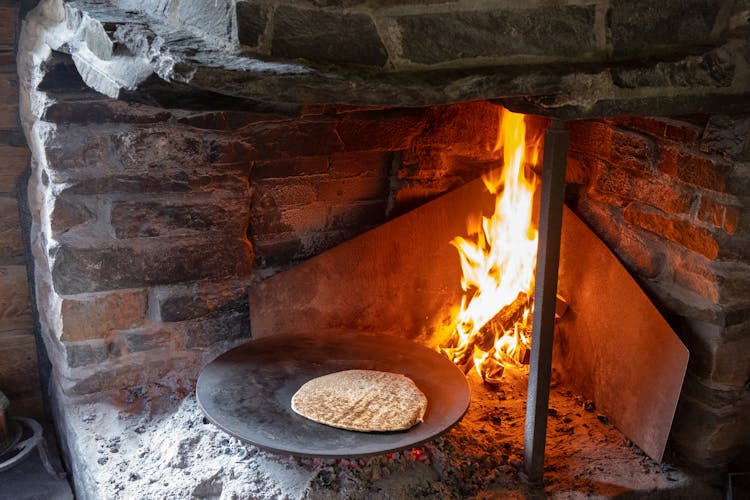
(247, 391)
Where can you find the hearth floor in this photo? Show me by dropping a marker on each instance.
(178, 454)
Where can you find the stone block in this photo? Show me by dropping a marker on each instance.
(626, 186)
(148, 339)
(727, 135)
(79, 354)
(469, 129)
(717, 356)
(198, 300)
(93, 316)
(288, 168)
(69, 211)
(105, 111)
(146, 262)
(677, 230)
(316, 35)
(15, 308)
(135, 219)
(143, 368)
(360, 164)
(549, 30)
(13, 161)
(386, 130)
(290, 139)
(662, 128)
(251, 22)
(225, 328)
(11, 244)
(352, 189)
(289, 192)
(712, 70)
(646, 27)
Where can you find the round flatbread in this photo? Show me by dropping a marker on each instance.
(362, 400)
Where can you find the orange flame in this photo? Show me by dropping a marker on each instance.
(498, 258)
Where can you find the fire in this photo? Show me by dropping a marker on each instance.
(498, 259)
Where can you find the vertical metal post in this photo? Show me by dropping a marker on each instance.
(545, 292)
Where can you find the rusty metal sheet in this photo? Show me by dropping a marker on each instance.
(399, 278)
(247, 392)
(613, 345)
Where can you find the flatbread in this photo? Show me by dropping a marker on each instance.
(362, 400)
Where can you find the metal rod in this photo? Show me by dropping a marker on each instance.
(545, 292)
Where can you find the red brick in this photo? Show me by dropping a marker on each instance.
(352, 189)
(731, 219)
(591, 138)
(679, 231)
(91, 317)
(634, 151)
(289, 168)
(628, 186)
(662, 128)
(388, 130)
(578, 169)
(702, 172)
(711, 211)
(361, 164)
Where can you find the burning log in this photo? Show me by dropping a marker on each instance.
(503, 321)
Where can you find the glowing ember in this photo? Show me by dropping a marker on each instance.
(497, 260)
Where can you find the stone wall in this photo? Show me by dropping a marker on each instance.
(670, 198)
(152, 222)
(19, 378)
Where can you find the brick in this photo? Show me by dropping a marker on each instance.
(640, 254)
(662, 128)
(386, 130)
(11, 244)
(290, 139)
(352, 189)
(731, 219)
(101, 266)
(292, 167)
(651, 191)
(358, 215)
(360, 164)
(677, 230)
(286, 193)
(578, 169)
(591, 138)
(711, 211)
(147, 339)
(78, 354)
(198, 300)
(13, 161)
(703, 172)
(15, 308)
(222, 329)
(134, 219)
(93, 316)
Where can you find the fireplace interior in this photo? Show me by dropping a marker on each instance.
(185, 159)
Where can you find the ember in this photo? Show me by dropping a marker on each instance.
(497, 260)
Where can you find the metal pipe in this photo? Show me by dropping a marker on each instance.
(545, 292)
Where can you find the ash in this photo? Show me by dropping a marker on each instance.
(177, 453)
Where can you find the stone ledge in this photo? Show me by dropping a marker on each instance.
(681, 77)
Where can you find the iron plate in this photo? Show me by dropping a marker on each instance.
(247, 391)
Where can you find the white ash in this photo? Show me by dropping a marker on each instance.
(178, 454)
